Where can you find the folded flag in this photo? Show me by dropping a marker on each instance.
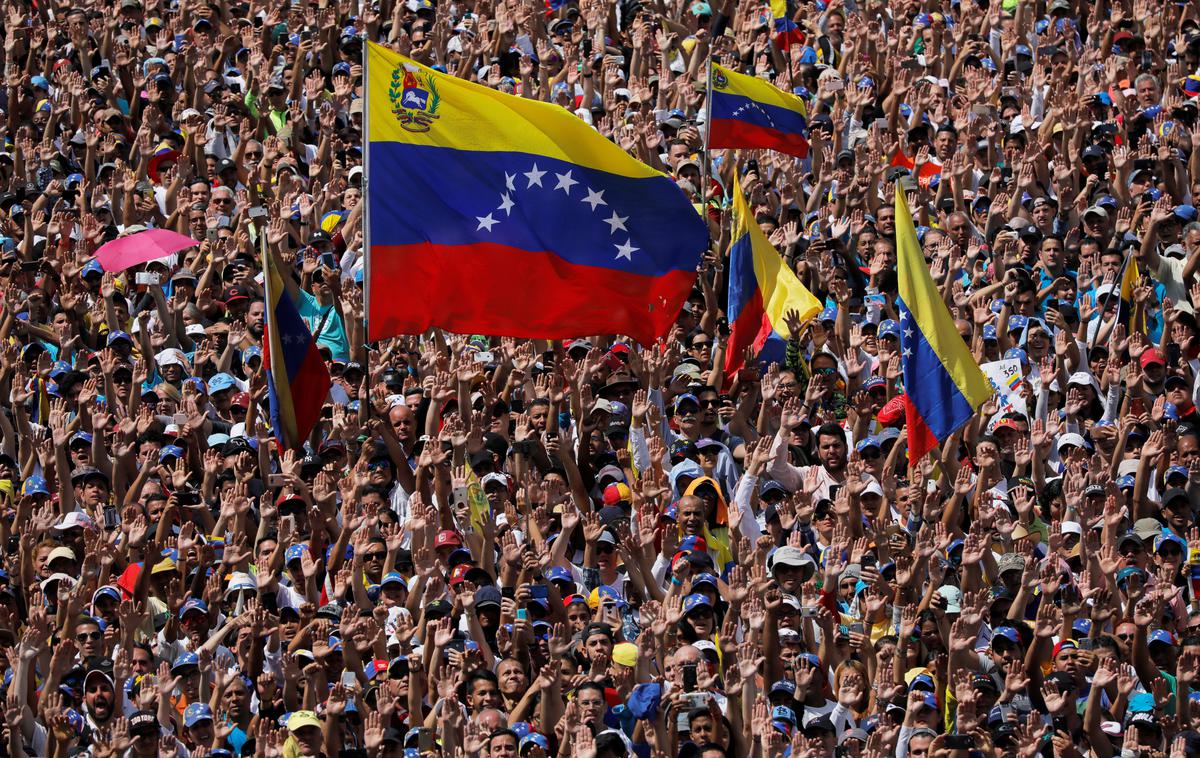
(511, 217)
(746, 111)
(943, 382)
(297, 377)
(762, 289)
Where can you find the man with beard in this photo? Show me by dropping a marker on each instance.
(831, 451)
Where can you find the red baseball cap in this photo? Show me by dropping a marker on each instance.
(1152, 355)
(447, 538)
(458, 574)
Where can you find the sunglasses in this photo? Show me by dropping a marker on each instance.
(374, 556)
(86, 636)
(870, 454)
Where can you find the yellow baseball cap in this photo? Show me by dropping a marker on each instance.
(301, 719)
(625, 653)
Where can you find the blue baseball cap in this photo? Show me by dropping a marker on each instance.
(989, 333)
(91, 267)
(1018, 353)
(193, 605)
(294, 553)
(829, 314)
(169, 451)
(34, 485)
(866, 442)
(684, 398)
(1006, 632)
(195, 713)
(534, 738)
(220, 383)
(1174, 471)
(117, 336)
(888, 328)
(393, 577)
(80, 437)
(186, 659)
(559, 574)
(1016, 323)
(695, 601)
(1125, 482)
(1161, 635)
(708, 579)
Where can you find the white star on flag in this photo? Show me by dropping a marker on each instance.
(506, 204)
(534, 176)
(508, 181)
(486, 221)
(565, 182)
(616, 222)
(907, 353)
(908, 333)
(595, 198)
(626, 251)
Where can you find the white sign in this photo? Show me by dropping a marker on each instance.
(1008, 382)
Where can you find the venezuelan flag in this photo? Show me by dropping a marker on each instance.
(491, 213)
(297, 378)
(762, 289)
(786, 31)
(942, 380)
(745, 111)
(1126, 309)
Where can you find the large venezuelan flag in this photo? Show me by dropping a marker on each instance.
(496, 214)
(297, 377)
(746, 111)
(943, 383)
(762, 289)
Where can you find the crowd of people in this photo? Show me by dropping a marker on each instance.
(594, 548)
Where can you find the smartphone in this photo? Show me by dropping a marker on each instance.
(880, 124)
(179, 419)
(539, 592)
(210, 235)
(30, 266)
(110, 518)
(327, 260)
(980, 109)
(485, 356)
(146, 277)
(257, 212)
(521, 614)
(564, 420)
(960, 742)
(748, 375)
(689, 677)
(425, 741)
(856, 627)
(276, 480)
(835, 85)
(752, 166)
(809, 612)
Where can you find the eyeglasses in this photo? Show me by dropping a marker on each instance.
(92, 636)
(870, 454)
(254, 154)
(700, 345)
(606, 547)
(223, 200)
(710, 403)
(374, 556)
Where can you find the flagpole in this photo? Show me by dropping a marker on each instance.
(366, 215)
(1100, 307)
(704, 157)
